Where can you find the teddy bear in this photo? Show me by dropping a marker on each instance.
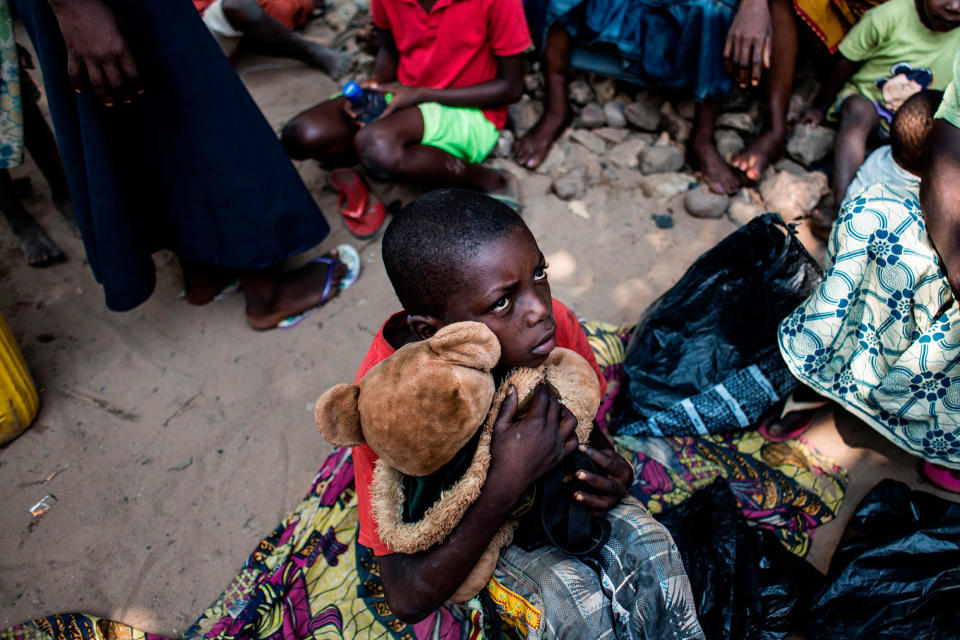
(428, 412)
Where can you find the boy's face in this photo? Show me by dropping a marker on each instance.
(505, 287)
(943, 15)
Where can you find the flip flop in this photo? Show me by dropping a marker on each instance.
(228, 291)
(363, 215)
(941, 477)
(789, 406)
(347, 256)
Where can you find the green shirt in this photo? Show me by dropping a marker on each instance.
(950, 107)
(900, 56)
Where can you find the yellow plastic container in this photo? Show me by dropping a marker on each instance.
(18, 395)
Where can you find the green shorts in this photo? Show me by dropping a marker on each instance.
(463, 132)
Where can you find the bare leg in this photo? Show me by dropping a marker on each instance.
(264, 34)
(37, 247)
(202, 282)
(703, 151)
(532, 149)
(795, 419)
(322, 133)
(754, 160)
(42, 146)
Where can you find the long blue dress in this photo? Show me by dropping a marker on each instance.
(191, 166)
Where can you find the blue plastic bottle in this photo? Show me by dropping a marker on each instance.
(367, 104)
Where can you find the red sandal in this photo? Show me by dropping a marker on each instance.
(947, 479)
(363, 215)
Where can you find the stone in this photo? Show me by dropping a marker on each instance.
(662, 220)
(788, 165)
(793, 196)
(666, 185)
(605, 90)
(592, 116)
(700, 202)
(626, 155)
(533, 82)
(809, 144)
(613, 111)
(739, 121)
(572, 184)
(642, 115)
(504, 147)
(580, 92)
(616, 136)
(555, 158)
(742, 212)
(687, 109)
(342, 15)
(661, 159)
(728, 143)
(654, 99)
(678, 127)
(804, 92)
(590, 140)
(523, 115)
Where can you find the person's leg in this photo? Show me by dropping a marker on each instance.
(42, 145)
(794, 421)
(755, 158)
(264, 34)
(322, 133)
(532, 148)
(703, 150)
(37, 247)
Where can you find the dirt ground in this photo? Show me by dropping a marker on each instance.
(174, 437)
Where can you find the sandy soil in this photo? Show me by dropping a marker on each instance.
(174, 437)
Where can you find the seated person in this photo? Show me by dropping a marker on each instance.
(450, 69)
(691, 45)
(881, 334)
(899, 163)
(896, 50)
(456, 255)
(269, 27)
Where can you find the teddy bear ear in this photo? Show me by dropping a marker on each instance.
(470, 344)
(338, 417)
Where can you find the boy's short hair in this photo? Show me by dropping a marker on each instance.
(429, 238)
(910, 126)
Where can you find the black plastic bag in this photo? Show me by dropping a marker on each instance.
(896, 573)
(746, 585)
(711, 340)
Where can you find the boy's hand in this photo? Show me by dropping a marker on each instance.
(813, 115)
(403, 97)
(609, 488)
(749, 44)
(523, 450)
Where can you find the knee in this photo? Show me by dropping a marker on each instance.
(242, 14)
(379, 152)
(858, 112)
(303, 138)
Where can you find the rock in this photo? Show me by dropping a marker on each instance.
(642, 115)
(700, 202)
(341, 16)
(555, 158)
(613, 111)
(662, 220)
(604, 90)
(626, 154)
(580, 92)
(616, 136)
(788, 165)
(687, 109)
(728, 143)
(533, 82)
(592, 116)
(742, 212)
(590, 140)
(666, 185)
(661, 159)
(803, 95)
(571, 185)
(504, 148)
(678, 128)
(793, 196)
(523, 115)
(809, 144)
(739, 121)
(363, 67)
(654, 99)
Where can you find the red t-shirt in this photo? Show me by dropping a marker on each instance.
(569, 335)
(454, 45)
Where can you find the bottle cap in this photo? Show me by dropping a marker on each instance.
(352, 91)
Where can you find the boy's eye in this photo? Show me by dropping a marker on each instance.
(501, 304)
(540, 273)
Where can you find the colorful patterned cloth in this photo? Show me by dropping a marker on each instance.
(881, 335)
(11, 111)
(310, 578)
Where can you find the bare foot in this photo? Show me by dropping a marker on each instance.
(716, 173)
(39, 250)
(332, 62)
(531, 150)
(202, 283)
(272, 297)
(755, 159)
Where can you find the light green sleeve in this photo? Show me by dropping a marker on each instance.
(950, 107)
(861, 41)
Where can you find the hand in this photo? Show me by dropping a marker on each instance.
(749, 44)
(403, 97)
(523, 450)
(607, 489)
(813, 115)
(97, 49)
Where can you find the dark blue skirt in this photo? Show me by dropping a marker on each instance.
(670, 44)
(191, 166)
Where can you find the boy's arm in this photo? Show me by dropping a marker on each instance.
(940, 198)
(839, 74)
(749, 43)
(415, 585)
(385, 65)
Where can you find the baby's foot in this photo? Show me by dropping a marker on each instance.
(332, 62)
(716, 173)
(755, 159)
(39, 250)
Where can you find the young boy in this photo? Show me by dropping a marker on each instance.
(456, 255)
(899, 163)
(896, 50)
(452, 67)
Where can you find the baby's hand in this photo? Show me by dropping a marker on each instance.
(608, 488)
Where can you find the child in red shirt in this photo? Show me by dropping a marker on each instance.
(451, 67)
(455, 255)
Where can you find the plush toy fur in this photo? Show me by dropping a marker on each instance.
(419, 407)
